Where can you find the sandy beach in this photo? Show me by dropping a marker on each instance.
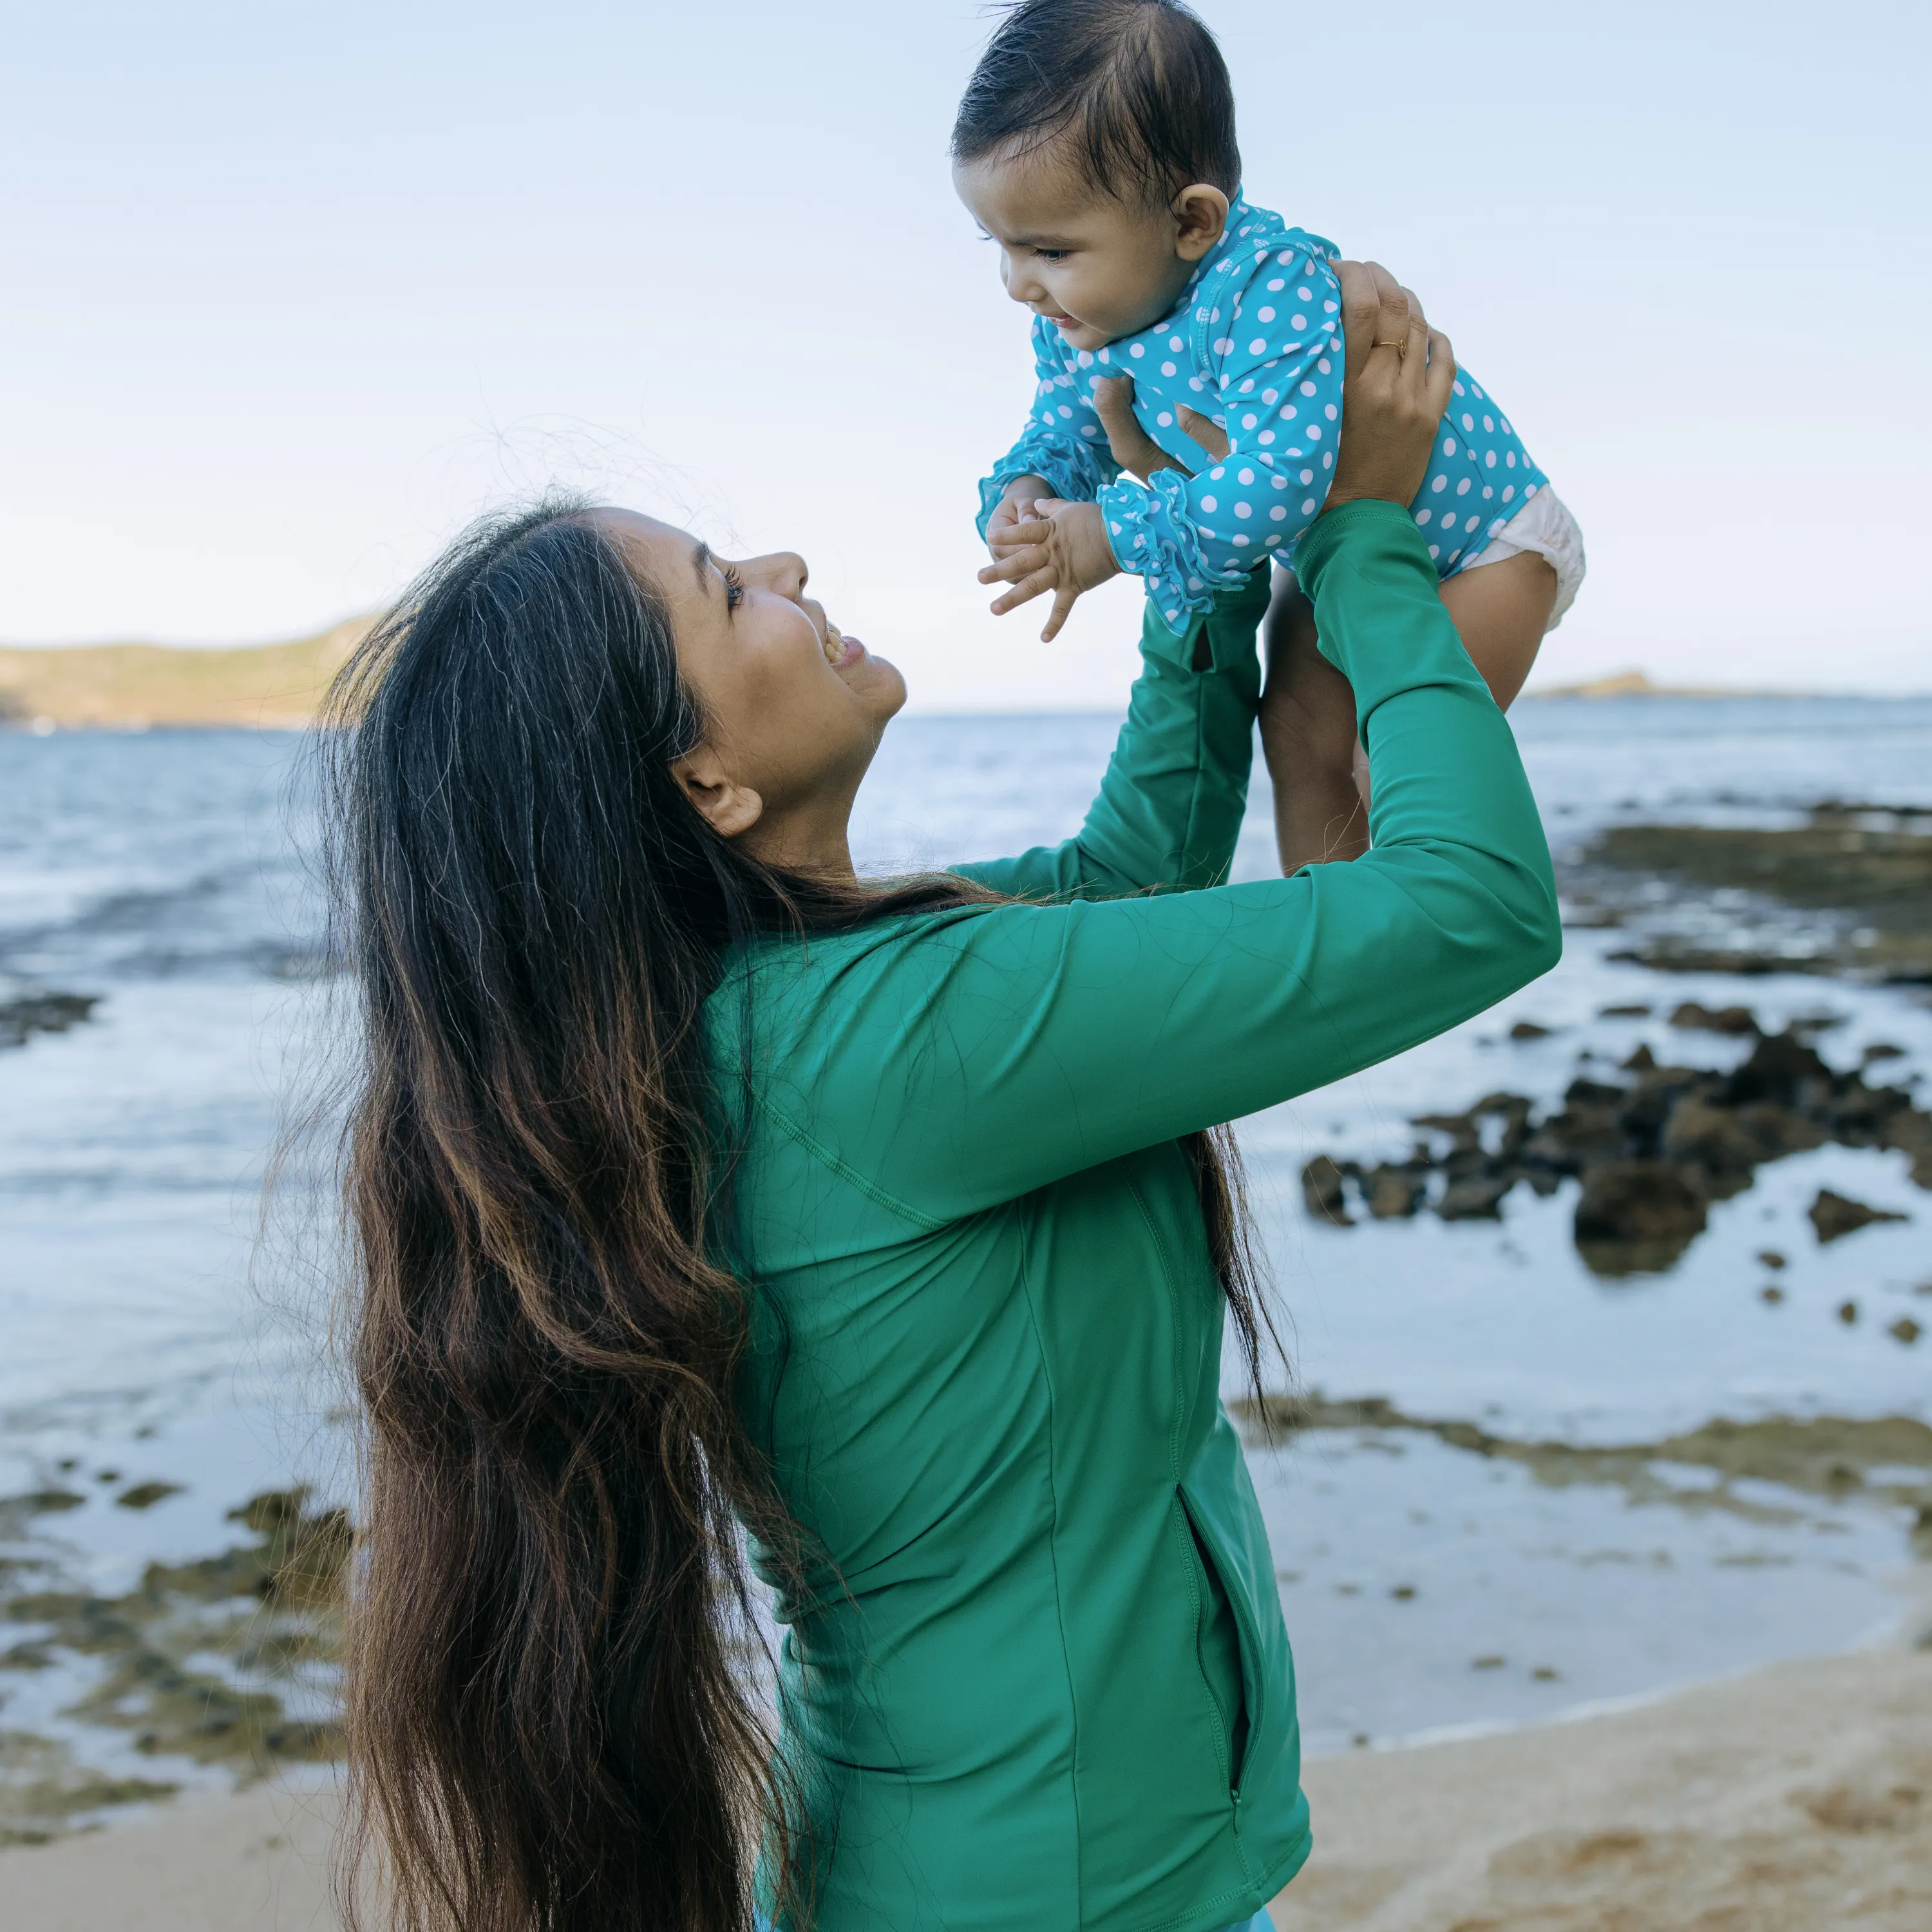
(1797, 1798)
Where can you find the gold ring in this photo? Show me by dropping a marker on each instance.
(1400, 348)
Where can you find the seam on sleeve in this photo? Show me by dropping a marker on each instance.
(873, 1192)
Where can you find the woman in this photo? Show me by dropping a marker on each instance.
(697, 1185)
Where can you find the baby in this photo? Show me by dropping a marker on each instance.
(1096, 145)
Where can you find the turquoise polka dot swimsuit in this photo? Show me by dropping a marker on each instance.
(1255, 341)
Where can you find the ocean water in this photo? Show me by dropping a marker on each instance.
(147, 1331)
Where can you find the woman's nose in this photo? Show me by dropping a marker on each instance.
(783, 570)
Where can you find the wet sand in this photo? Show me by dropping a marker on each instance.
(1795, 1799)
(1798, 1798)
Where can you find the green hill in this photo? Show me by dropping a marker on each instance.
(130, 687)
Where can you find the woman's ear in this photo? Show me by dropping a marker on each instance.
(728, 807)
(1200, 212)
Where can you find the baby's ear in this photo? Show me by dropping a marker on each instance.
(1200, 212)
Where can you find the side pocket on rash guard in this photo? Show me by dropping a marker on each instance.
(1228, 1531)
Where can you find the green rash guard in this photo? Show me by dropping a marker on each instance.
(1039, 1677)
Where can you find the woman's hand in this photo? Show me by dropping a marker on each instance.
(1064, 550)
(1399, 374)
(1133, 449)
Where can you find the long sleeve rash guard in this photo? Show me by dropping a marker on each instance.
(1254, 342)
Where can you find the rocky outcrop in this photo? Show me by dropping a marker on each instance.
(42, 1013)
(1651, 1152)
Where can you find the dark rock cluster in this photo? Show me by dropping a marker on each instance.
(41, 1012)
(1651, 1152)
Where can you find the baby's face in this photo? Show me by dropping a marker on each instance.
(1095, 268)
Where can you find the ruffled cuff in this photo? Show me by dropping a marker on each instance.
(1152, 537)
(1067, 476)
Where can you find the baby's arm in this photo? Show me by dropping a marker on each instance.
(1061, 453)
(1276, 376)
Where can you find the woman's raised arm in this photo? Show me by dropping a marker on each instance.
(994, 1051)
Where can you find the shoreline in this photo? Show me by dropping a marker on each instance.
(1787, 1798)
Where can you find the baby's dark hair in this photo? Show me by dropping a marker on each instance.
(1139, 84)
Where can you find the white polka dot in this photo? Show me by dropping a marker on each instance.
(1487, 493)
(1174, 342)
(1289, 412)
(1085, 358)
(1472, 523)
(1266, 436)
(1308, 388)
(1509, 490)
(1214, 315)
(1441, 484)
(1286, 256)
(1330, 412)
(1222, 344)
(1243, 510)
(1281, 482)
(1263, 315)
(1457, 387)
(1462, 488)
(1489, 459)
(1454, 555)
(1088, 429)
(1529, 490)
(1195, 383)
(1295, 321)
(1215, 474)
(1137, 348)
(1249, 422)
(1509, 461)
(1271, 396)
(1308, 506)
(1488, 424)
(1468, 422)
(1422, 517)
(1257, 347)
(1331, 306)
(1244, 476)
(1066, 412)
(1276, 283)
(1269, 543)
(1448, 445)
(1477, 392)
(1194, 583)
(1247, 385)
(1435, 550)
(1116, 528)
(1327, 459)
(1167, 368)
(1209, 503)
(1304, 294)
(1238, 538)
(1278, 515)
(1308, 476)
(1325, 365)
(1164, 419)
(1313, 432)
(1505, 421)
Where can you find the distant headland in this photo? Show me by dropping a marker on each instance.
(134, 687)
(1638, 684)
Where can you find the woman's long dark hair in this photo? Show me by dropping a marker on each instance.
(552, 1725)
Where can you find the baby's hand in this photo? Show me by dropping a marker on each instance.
(1014, 509)
(1063, 549)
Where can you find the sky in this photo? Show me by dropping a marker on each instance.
(292, 291)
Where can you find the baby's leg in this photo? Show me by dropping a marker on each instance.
(1308, 737)
(1308, 711)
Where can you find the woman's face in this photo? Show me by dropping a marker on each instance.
(794, 709)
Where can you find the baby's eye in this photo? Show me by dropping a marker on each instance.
(734, 586)
(1053, 254)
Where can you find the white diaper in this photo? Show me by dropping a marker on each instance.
(1544, 525)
